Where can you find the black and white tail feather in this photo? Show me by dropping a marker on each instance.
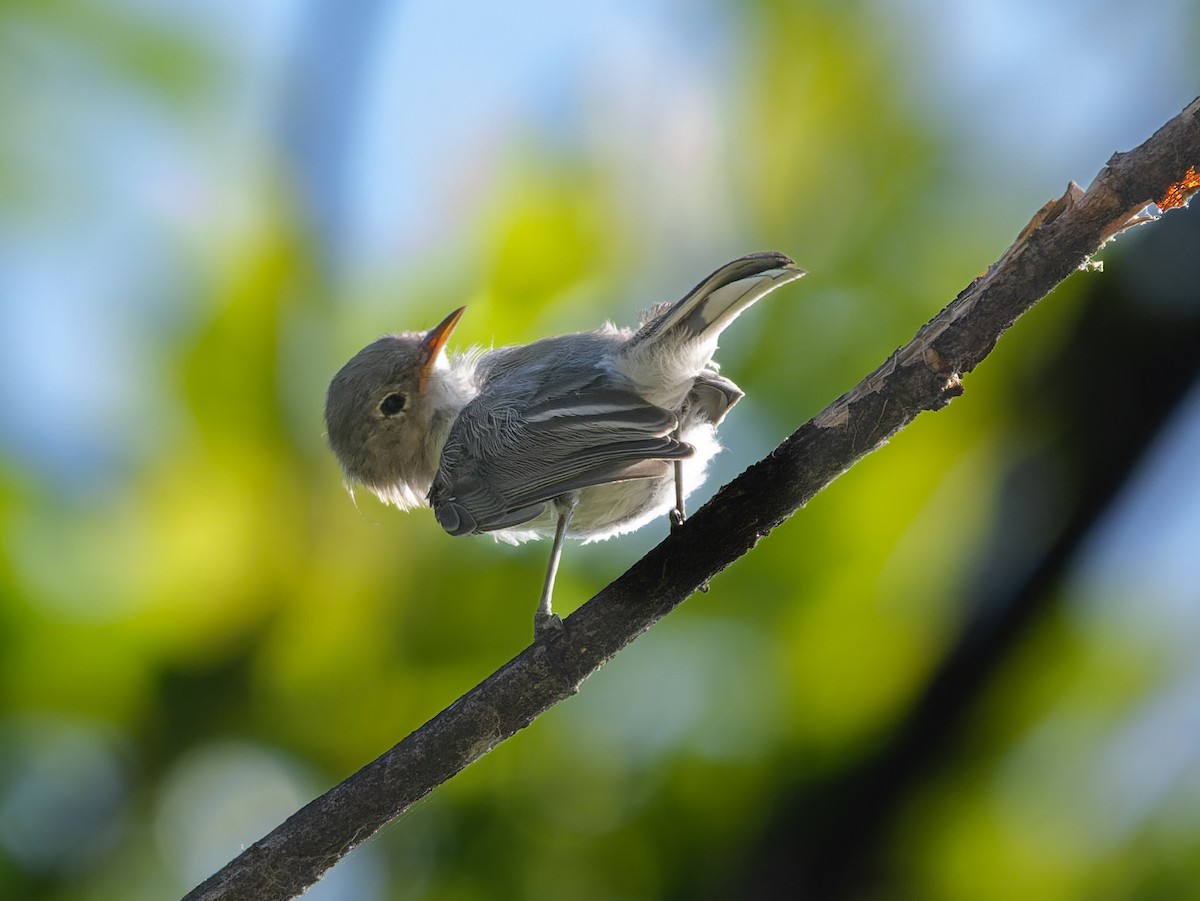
(676, 341)
(713, 304)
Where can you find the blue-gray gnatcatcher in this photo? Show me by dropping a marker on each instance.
(584, 436)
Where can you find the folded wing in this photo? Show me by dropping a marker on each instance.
(506, 458)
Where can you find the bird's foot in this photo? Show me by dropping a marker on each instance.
(547, 625)
(677, 519)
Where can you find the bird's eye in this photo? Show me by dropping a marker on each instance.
(392, 404)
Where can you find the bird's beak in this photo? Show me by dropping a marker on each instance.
(434, 341)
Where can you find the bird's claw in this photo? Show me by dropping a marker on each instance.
(547, 625)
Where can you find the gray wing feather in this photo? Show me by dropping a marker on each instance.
(529, 437)
(711, 397)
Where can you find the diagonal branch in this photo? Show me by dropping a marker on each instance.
(923, 375)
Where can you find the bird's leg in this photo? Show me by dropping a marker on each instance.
(544, 620)
(677, 515)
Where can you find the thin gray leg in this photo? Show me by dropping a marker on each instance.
(677, 515)
(545, 620)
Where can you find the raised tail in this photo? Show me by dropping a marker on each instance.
(714, 303)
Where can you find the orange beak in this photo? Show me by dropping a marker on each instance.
(434, 341)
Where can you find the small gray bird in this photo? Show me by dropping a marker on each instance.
(586, 436)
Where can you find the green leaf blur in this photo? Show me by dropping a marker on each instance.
(200, 629)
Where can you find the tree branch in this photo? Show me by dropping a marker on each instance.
(923, 375)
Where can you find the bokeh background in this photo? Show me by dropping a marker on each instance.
(967, 670)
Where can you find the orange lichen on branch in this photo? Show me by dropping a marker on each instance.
(1181, 192)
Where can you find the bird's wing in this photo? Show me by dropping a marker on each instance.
(505, 458)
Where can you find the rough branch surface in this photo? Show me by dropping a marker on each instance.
(923, 375)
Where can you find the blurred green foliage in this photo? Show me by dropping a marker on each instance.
(213, 631)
